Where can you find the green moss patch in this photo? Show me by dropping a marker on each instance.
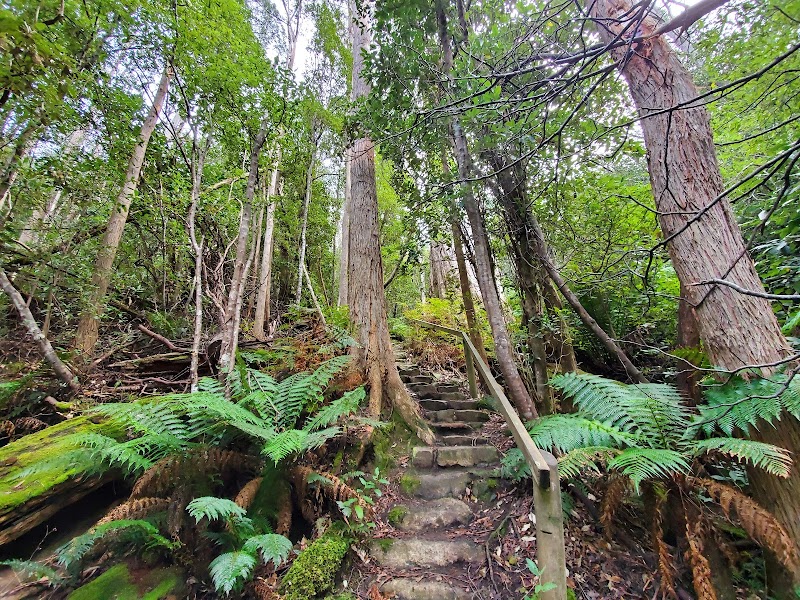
(397, 514)
(118, 583)
(313, 572)
(409, 484)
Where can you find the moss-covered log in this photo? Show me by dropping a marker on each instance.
(27, 501)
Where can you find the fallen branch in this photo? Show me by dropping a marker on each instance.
(45, 347)
(746, 292)
(159, 338)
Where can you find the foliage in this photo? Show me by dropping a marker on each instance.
(312, 573)
(646, 438)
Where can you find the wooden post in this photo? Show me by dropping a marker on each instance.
(473, 385)
(550, 554)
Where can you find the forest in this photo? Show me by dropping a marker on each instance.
(413, 299)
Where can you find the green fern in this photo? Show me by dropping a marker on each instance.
(581, 459)
(769, 458)
(344, 406)
(34, 571)
(231, 569)
(648, 463)
(271, 546)
(71, 553)
(212, 508)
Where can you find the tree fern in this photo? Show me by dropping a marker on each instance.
(648, 463)
(212, 508)
(271, 547)
(231, 569)
(337, 409)
(567, 432)
(72, 552)
(772, 459)
(297, 391)
(580, 459)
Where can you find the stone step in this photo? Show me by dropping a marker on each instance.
(408, 370)
(429, 404)
(414, 380)
(414, 552)
(462, 440)
(448, 483)
(432, 514)
(407, 588)
(450, 416)
(446, 428)
(425, 457)
(431, 390)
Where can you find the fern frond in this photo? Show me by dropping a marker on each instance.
(613, 498)
(580, 459)
(271, 546)
(34, 571)
(295, 392)
(73, 551)
(568, 432)
(137, 508)
(248, 493)
(652, 411)
(211, 385)
(648, 463)
(666, 562)
(772, 459)
(286, 443)
(760, 524)
(230, 570)
(344, 406)
(212, 508)
(701, 568)
(740, 404)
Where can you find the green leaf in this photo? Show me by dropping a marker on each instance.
(213, 508)
(230, 570)
(273, 547)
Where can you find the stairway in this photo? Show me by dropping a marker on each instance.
(430, 559)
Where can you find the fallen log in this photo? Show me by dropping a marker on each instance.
(28, 501)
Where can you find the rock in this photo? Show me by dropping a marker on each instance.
(462, 440)
(411, 589)
(443, 416)
(410, 553)
(466, 456)
(423, 456)
(470, 415)
(435, 514)
(447, 483)
(428, 404)
(470, 404)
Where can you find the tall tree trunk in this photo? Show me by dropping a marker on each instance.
(440, 269)
(196, 167)
(466, 291)
(33, 330)
(298, 296)
(230, 330)
(344, 258)
(559, 339)
(13, 163)
(366, 297)
(265, 277)
(491, 300)
(88, 326)
(701, 232)
(688, 336)
(256, 273)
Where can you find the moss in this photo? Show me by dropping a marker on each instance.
(409, 484)
(397, 514)
(117, 584)
(314, 571)
(34, 448)
(342, 596)
(491, 484)
(385, 544)
(571, 594)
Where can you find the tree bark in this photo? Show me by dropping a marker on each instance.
(491, 300)
(344, 257)
(265, 277)
(374, 354)
(466, 292)
(701, 232)
(196, 167)
(230, 330)
(304, 217)
(45, 347)
(88, 326)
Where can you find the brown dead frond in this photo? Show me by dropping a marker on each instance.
(701, 569)
(760, 524)
(136, 509)
(612, 500)
(171, 471)
(375, 593)
(248, 493)
(266, 588)
(334, 489)
(29, 424)
(284, 518)
(7, 430)
(666, 563)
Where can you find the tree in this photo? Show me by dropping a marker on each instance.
(366, 297)
(88, 327)
(738, 330)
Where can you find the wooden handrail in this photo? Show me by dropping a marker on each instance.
(544, 471)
